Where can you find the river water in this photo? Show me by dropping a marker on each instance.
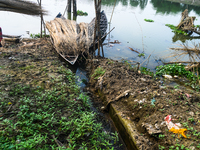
(130, 28)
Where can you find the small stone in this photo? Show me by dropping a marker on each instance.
(102, 108)
(160, 106)
(191, 113)
(142, 79)
(192, 148)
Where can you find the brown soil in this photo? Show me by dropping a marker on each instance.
(137, 105)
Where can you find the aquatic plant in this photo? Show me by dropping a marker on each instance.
(179, 70)
(141, 55)
(175, 29)
(148, 20)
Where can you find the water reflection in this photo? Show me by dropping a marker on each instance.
(141, 3)
(183, 38)
(161, 6)
(134, 3)
(166, 7)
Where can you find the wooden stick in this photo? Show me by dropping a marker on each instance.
(187, 49)
(184, 62)
(57, 141)
(146, 59)
(118, 97)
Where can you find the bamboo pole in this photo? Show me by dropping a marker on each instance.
(69, 6)
(74, 9)
(41, 21)
(97, 33)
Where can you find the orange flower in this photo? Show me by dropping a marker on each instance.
(178, 131)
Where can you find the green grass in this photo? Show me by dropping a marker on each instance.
(98, 72)
(39, 117)
(38, 35)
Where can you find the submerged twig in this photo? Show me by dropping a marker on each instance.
(146, 59)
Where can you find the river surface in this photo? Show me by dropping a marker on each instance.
(130, 28)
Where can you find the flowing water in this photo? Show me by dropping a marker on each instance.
(130, 28)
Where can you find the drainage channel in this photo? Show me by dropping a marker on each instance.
(103, 117)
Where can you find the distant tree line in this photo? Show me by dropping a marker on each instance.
(161, 6)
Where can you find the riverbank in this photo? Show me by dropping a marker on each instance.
(42, 106)
(189, 2)
(143, 105)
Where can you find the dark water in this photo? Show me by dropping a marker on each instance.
(130, 28)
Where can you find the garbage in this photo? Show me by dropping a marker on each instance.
(175, 128)
(150, 129)
(153, 101)
(188, 96)
(167, 76)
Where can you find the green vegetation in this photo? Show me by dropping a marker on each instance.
(148, 20)
(40, 118)
(179, 70)
(146, 71)
(176, 30)
(35, 36)
(81, 13)
(141, 55)
(98, 72)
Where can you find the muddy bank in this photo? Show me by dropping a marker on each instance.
(189, 2)
(142, 103)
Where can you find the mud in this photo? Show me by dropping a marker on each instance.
(145, 102)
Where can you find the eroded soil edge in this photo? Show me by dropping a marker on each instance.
(142, 102)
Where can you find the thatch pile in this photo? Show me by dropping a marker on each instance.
(70, 38)
(21, 6)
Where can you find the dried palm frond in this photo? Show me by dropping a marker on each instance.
(21, 6)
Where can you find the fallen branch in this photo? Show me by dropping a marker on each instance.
(186, 49)
(134, 50)
(182, 62)
(118, 97)
(58, 142)
(145, 59)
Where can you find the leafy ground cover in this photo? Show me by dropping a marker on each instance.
(180, 71)
(41, 106)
